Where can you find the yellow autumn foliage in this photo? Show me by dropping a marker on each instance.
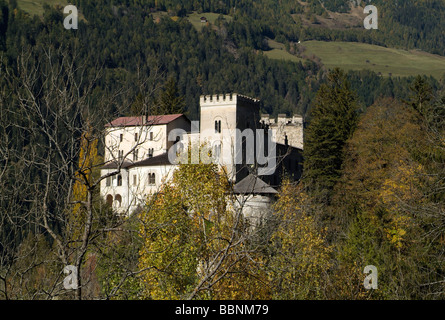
(301, 258)
(182, 225)
(88, 159)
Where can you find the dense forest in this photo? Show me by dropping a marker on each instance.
(123, 39)
(372, 190)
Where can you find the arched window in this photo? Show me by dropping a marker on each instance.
(118, 200)
(217, 150)
(217, 126)
(109, 200)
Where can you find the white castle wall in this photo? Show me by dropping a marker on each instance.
(290, 127)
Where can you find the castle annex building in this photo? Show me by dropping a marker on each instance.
(138, 161)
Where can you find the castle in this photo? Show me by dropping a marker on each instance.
(256, 151)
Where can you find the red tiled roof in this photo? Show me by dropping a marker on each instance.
(141, 120)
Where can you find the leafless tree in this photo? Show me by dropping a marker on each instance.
(51, 123)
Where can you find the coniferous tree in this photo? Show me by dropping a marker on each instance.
(170, 101)
(422, 94)
(333, 120)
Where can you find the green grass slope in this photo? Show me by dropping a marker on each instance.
(195, 18)
(278, 52)
(359, 56)
(36, 6)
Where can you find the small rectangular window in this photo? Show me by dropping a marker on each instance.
(135, 179)
(119, 180)
(151, 179)
(151, 136)
(121, 137)
(108, 181)
(136, 136)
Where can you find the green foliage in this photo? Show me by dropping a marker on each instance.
(170, 102)
(421, 95)
(380, 204)
(34, 272)
(386, 188)
(299, 255)
(182, 226)
(332, 122)
(117, 269)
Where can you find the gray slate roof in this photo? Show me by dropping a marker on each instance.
(161, 159)
(253, 184)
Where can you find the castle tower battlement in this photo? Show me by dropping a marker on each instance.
(289, 130)
(282, 119)
(227, 99)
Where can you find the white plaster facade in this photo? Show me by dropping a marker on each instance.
(136, 148)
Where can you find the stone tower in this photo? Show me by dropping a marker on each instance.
(221, 115)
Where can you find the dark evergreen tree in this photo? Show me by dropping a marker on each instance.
(170, 101)
(333, 119)
(422, 94)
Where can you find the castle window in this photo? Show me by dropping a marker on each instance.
(121, 137)
(135, 155)
(135, 179)
(151, 136)
(218, 126)
(119, 180)
(136, 136)
(150, 152)
(109, 200)
(118, 200)
(151, 179)
(217, 150)
(121, 155)
(108, 181)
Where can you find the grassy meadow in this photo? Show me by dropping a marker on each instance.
(358, 56)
